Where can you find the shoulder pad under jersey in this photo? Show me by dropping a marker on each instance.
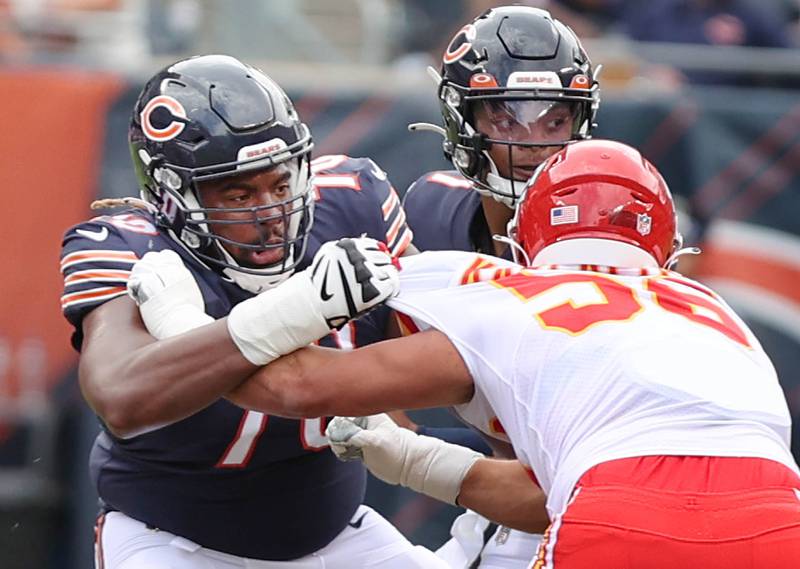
(97, 257)
(354, 197)
(440, 207)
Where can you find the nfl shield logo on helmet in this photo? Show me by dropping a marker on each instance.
(643, 223)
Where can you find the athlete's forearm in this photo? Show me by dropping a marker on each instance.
(462, 436)
(502, 491)
(136, 383)
(301, 384)
(277, 389)
(418, 371)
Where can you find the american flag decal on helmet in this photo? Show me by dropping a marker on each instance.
(564, 215)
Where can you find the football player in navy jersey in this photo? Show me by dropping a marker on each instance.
(515, 86)
(186, 478)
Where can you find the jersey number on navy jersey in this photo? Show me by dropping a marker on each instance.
(254, 423)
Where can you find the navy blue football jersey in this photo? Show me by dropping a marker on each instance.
(446, 214)
(237, 481)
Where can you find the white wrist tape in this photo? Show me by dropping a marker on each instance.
(278, 321)
(437, 468)
(164, 321)
(399, 456)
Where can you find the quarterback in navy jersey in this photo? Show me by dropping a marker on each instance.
(223, 162)
(508, 103)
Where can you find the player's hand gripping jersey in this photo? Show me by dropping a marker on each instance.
(580, 368)
(235, 481)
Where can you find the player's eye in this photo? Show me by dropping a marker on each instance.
(557, 122)
(237, 197)
(281, 191)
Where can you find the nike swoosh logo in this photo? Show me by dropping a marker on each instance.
(324, 292)
(357, 524)
(94, 235)
(348, 297)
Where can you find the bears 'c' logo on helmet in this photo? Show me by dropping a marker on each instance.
(172, 129)
(458, 49)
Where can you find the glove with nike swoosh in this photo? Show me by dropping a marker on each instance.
(399, 456)
(352, 276)
(168, 297)
(345, 279)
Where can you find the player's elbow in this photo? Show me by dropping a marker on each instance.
(300, 398)
(123, 411)
(121, 424)
(116, 415)
(125, 421)
(120, 418)
(531, 519)
(298, 391)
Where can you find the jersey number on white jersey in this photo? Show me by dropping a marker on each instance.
(573, 303)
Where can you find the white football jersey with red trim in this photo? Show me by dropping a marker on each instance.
(589, 364)
(478, 412)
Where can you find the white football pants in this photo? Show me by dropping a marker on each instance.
(506, 549)
(124, 543)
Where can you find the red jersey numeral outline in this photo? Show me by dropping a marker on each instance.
(616, 302)
(704, 310)
(587, 300)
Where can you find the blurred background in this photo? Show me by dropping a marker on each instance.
(707, 89)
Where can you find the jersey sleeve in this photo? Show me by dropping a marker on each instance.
(96, 262)
(362, 199)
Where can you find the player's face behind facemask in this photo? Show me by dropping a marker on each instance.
(223, 158)
(515, 86)
(254, 215)
(521, 134)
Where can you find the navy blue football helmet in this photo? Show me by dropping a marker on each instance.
(517, 67)
(210, 117)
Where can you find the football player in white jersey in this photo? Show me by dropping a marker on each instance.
(643, 407)
(514, 85)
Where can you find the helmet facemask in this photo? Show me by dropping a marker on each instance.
(504, 76)
(196, 225)
(500, 136)
(200, 124)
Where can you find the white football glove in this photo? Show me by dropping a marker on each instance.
(352, 276)
(168, 297)
(346, 278)
(399, 456)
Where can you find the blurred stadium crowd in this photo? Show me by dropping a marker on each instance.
(126, 34)
(705, 88)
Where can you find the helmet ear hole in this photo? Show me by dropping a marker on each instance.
(466, 161)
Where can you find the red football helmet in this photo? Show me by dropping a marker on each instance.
(603, 192)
